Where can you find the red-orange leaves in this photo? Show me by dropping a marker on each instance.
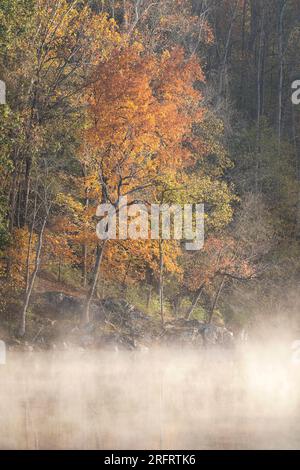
(142, 110)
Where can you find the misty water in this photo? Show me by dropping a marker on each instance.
(157, 399)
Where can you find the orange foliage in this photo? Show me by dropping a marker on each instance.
(141, 111)
(221, 256)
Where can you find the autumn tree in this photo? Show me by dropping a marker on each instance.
(142, 111)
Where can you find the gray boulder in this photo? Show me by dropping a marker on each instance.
(196, 333)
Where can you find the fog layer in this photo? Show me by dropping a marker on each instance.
(161, 399)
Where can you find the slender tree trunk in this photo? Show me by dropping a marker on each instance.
(28, 260)
(84, 269)
(126, 274)
(216, 299)
(33, 278)
(259, 102)
(90, 295)
(195, 302)
(125, 15)
(281, 71)
(149, 297)
(19, 204)
(85, 247)
(177, 304)
(13, 199)
(242, 79)
(30, 246)
(161, 282)
(13, 210)
(27, 190)
(59, 271)
(227, 46)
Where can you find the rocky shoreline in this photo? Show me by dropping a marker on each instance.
(114, 324)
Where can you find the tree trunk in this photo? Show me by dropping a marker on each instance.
(259, 101)
(216, 299)
(243, 72)
(28, 260)
(149, 297)
(84, 269)
(13, 199)
(59, 271)
(85, 247)
(90, 296)
(227, 47)
(27, 190)
(30, 245)
(281, 68)
(195, 302)
(33, 278)
(161, 282)
(177, 304)
(124, 286)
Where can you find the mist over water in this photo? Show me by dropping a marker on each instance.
(156, 399)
